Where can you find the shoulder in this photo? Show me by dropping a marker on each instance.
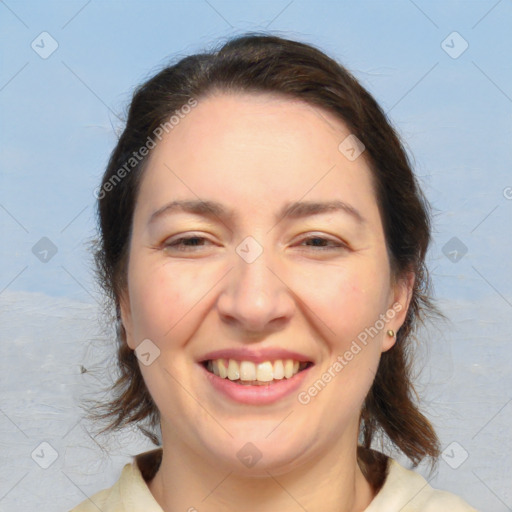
(130, 493)
(106, 500)
(408, 491)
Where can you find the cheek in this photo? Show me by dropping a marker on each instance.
(155, 300)
(349, 302)
(346, 299)
(165, 298)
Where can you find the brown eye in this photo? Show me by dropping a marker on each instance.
(186, 243)
(322, 243)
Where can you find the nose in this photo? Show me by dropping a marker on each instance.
(255, 298)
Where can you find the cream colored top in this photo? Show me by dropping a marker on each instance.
(403, 490)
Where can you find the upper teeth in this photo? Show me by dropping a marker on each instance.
(247, 370)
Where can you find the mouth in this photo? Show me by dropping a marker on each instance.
(248, 373)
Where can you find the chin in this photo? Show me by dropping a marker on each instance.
(256, 455)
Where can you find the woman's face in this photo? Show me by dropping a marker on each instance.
(258, 271)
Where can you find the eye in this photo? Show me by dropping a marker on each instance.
(186, 243)
(323, 243)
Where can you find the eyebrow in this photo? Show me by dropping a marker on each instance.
(293, 210)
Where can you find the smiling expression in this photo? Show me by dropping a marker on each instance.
(254, 238)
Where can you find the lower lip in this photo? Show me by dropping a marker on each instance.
(257, 395)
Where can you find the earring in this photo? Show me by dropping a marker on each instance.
(391, 333)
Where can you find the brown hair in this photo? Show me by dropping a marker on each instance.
(265, 63)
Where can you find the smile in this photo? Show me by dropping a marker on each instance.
(254, 374)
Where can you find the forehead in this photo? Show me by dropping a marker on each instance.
(256, 149)
(266, 122)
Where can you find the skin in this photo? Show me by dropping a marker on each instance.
(254, 153)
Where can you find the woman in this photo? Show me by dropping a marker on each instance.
(263, 240)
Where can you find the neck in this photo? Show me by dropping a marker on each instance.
(328, 482)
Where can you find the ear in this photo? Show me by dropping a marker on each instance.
(400, 299)
(126, 318)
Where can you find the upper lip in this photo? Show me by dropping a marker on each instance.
(255, 355)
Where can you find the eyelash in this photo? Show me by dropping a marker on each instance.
(178, 243)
